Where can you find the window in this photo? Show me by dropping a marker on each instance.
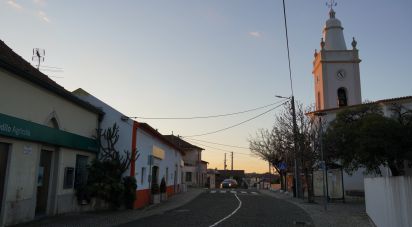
(68, 177)
(143, 175)
(81, 171)
(342, 98)
(188, 177)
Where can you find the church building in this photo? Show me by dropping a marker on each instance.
(337, 85)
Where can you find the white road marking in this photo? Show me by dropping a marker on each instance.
(234, 212)
(255, 193)
(222, 191)
(243, 192)
(213, 191)
(234, 192)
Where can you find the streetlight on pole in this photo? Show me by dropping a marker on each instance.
(298, 186)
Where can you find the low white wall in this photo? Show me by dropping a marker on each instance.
(389, 200)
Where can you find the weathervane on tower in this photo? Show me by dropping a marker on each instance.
(331, 4)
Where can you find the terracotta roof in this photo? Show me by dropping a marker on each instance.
(19, 67)
(181, 143)
(382, 101)
(147, 128)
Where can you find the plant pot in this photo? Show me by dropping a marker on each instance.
(155, 198)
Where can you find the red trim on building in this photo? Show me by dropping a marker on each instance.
(134, 147)
(142, 198)
(170, 190)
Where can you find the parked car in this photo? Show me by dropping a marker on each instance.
(228, 183)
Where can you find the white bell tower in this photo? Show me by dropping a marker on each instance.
(336, 69)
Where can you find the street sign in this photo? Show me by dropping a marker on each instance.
(282, 166)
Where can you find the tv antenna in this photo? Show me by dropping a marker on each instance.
(38, 56)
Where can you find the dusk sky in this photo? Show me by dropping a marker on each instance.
(184, 58)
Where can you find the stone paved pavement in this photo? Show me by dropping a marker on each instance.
(338, 214)
(112, 218)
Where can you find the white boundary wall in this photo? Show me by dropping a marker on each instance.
(389, 201)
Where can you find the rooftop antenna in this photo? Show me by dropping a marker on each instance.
(38, 55)
(331, 4)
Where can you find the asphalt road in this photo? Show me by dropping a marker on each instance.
(230, 208)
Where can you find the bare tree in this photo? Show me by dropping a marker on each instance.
(277, 145)
(108, 139)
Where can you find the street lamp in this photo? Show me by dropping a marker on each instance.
(298, 186)
(325, 202)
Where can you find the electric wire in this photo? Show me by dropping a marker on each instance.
(287, 47)
(235, 125)
(215, 148)
(221, 144)
(204, 117)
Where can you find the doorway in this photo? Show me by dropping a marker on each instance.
(43, 181)
(155, 175)
(4, 150)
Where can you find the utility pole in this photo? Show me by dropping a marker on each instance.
(325, 189)
(232, 160)
(298, 156)
(224, 167)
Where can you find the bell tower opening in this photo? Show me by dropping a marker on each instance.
(342, 97)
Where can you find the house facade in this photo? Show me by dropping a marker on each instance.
(46, 141)
(157, 157)
(195, 170)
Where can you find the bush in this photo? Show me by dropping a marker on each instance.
(129, 195)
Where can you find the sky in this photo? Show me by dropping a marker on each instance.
(185, 58)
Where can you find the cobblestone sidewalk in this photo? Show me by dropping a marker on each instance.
(113, 218)
(349, 214)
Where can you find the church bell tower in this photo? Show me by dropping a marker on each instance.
(336, 69)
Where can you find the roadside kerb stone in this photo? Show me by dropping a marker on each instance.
(352, 213)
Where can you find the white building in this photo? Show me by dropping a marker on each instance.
(46, 141)
(337, 85)
(195, 170)
(158, 158)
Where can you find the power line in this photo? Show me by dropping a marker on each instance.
(215, 148)
(232, 126)
(287, 47)
(226, 145)
(204, 117)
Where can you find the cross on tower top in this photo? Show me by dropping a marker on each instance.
(331, 4)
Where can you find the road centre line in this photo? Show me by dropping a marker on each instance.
(240, 205)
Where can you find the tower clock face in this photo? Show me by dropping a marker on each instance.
(341, 74)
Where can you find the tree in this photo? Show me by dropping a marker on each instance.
(363, 137)
(277, 145)
(105, 179)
